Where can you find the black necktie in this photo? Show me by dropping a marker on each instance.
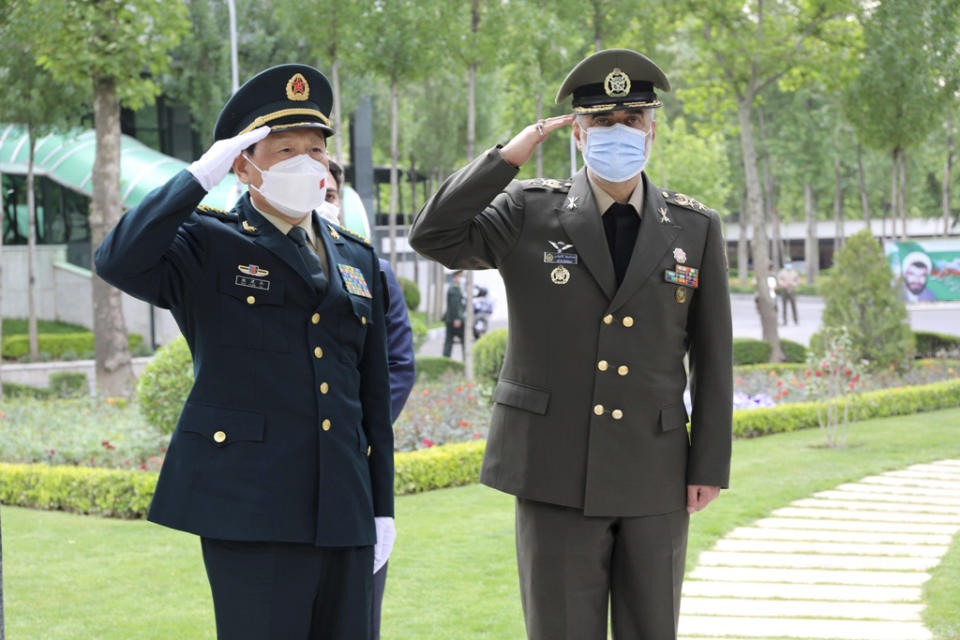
(314, 266)
(621, 224)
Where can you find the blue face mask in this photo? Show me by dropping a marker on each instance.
(617, 153)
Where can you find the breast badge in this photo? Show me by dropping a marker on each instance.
(558, 255)
(684, 276)
(560, 275)
(680, 294)
(253, 270)
(680, 255)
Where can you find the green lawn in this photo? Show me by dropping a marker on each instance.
(452, 574)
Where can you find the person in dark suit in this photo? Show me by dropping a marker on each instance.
(282, 459)
(611, 282)
(454, 315)
(400, 356)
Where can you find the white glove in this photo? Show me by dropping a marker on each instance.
(386, 535)
(213, 165)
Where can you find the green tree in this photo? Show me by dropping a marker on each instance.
(107, 46)
(861, 298)
(907, 81)
(693, 163)
(741, 50)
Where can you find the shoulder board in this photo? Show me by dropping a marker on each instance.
(336, 230)
(681, 200)
(216, 213)
(548, 183)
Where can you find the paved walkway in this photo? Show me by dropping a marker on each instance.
(844, 564)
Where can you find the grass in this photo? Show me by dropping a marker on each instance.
(18, 326)
(452, 575)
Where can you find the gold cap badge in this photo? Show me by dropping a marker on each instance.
(297, 88)
(616, 84)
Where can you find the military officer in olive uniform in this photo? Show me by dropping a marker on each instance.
(611, 282)
(282, 460)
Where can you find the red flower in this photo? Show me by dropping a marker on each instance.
(847, 372)
(143, 466)
(779, 383)
(851, 384)
(464, 423)
(51, 452)
(817, 373)
(739, 380)
(2, 415)
(163, 449)
(425, 392)
(806, 374)
(449, 399)
(470, 396)
(477, 435)
(856, 378)
(785, 392)
(427, 442)
(459, 389)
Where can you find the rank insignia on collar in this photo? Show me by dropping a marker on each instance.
(333, 233)
(663, 216)
(679, 255)
(572, 202)
(353, 280)
(248, 227)
(253, 270)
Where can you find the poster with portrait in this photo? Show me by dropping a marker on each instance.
(925, 270)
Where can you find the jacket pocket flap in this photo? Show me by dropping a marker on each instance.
(673, 417)
(362, 309)
(521, 396)
(222, 426)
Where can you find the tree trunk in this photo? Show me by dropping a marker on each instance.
(114, 370)
(337, 120)
(413, 212)
(394, 170)
(770, 207)
(902, 205)
(947, 166)
(864, 200)
(31, 252)
(894, 198)
(743, 246)
(837, 205)
(1, 358)
(761, 259)
(811, 242)
(539, 146)
(471, 142)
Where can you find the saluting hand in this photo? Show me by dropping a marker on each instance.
(213, 165)
(519, 150)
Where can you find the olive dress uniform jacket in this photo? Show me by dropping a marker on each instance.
(588, 412)
(286, 435)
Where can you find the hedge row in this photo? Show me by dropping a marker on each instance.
(57, 344)
(750, 423)
(126, 494)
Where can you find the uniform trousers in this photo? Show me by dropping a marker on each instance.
(572, 567)
(289, 591)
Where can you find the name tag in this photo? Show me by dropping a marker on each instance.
(560, 258)
(254, 283)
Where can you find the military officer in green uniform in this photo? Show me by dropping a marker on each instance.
(611, 281)
(282, 459)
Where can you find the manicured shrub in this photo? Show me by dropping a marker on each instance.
(17, 390)
(447, 466)
(930, 344)
(69, 384)
(419, 328)
(861, 298)
(56, 344)
(411, 293)
(793, 351)
(434, 367)
(488, 354)
(163, 387)
(750, 351)
(103, 492)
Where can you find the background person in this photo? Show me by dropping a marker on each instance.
(454, 316)
(610, 282)
(400, 356)
(787, 281)
(282, 460)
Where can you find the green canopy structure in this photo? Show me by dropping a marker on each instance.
(67, 159)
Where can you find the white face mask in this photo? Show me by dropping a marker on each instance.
(329, 212)
(295, 186)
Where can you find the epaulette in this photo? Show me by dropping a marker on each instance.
(681, 200)
(548, 183)
(216, 213)
(336, 230)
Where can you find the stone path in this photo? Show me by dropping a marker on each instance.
(844, 564)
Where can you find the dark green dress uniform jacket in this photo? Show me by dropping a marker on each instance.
(286, 434)
(589, 408)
